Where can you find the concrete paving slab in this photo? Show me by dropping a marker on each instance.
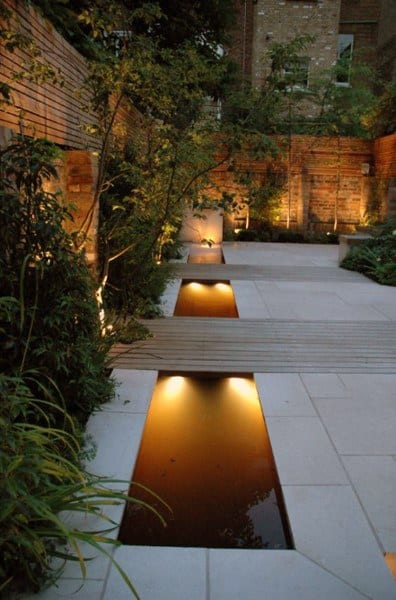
(324, 385)
(283, 395)
(249, 301)
(159, 573)
(374, 480)
(118, 437)
(303, 452)
(96, 563)
(278, 575)
(330, 528)
(308, 306)
(134, 391)
(371, 386)
(69, 589)
(256, 253)
(365, 421)
(169, 297)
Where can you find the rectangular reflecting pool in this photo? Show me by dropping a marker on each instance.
(205, 451)
(206, 299)
(204, 254)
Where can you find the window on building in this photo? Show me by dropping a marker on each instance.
(296, 73)
(344, 58)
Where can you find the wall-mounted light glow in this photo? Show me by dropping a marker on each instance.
(390, 559)
(222, 287)
(194, 285)
(174, 384)
(243, 386)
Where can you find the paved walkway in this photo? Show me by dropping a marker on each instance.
(330, 409)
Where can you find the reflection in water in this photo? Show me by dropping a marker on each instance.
(206, 452)
(205, 299)
(204, 254)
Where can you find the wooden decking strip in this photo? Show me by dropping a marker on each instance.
(265, 273)
(250, 345)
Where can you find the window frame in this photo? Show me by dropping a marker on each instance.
(340, 50)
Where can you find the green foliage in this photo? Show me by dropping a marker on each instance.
(39, 480)
(381, 118)
(246, 235)
(52, 322)
(376, 257)
(171, 24)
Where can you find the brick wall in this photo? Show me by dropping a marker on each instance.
(385, 169)
(282, 20)
(242, 36)
(329, 179)
(387, 40)
(77, 176)
(361, 18)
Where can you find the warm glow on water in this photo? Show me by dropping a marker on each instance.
(206, 452)
(205, 299)
(202, 254)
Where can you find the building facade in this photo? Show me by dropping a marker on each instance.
(357, 30)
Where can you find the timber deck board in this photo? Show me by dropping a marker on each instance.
(252, 345)
(225, 272)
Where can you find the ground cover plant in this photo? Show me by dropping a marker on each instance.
(53, 373)
(376, 257)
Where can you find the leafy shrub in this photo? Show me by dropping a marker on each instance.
(52, 324)
(40, 478)
(376, 257)
(289, 236)
(246, 235)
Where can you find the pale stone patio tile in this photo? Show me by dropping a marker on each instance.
(283, 394)
(374, 479)
(330, 307)
(133, 392)
(249, 302)
(95, 522)
(324, 385)
(72, 589)
(370, 385)
(159, 573)
(272, 575)
(280, 307)
(96, 563)
(329, 527)
(303, 452)
(257, 253)
(169, 297)
(386, 308)
(373, 434)
(361, 423)
(118, 437)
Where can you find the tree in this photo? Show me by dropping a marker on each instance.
(280, 106)
(147, 175)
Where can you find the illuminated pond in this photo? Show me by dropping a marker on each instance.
(205, 299)
(203, 254)
(205, 451)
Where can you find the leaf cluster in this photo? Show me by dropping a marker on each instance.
(376, 258)
(52, 323)
(40, 483)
